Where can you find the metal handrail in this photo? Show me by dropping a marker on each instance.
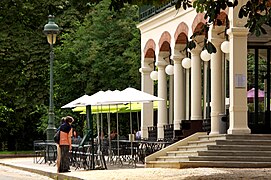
(150, 11)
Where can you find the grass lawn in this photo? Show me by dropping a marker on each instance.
(16, 152)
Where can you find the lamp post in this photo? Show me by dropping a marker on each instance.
(51, 30)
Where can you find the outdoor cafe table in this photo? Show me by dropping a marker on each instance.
(81, 157)
(49, 149)
(140, 149)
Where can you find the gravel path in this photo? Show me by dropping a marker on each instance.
(8, 173)
(141, 173)
(177, 174)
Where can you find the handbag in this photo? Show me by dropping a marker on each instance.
(57, 137)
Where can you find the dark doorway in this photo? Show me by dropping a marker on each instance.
(258, 79)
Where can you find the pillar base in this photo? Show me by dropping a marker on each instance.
(239, 131)
(214, 133)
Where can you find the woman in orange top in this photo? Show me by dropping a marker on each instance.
(65, 145)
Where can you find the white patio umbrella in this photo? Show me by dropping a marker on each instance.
(134, 95)
(76, 102)
(85, 100)
(90, 101)
(130, 95)
(100, 99)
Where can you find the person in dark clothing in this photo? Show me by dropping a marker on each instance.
(58, 148)
(65, 145)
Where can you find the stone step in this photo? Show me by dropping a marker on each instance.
(212, 137)
(182, 153)
(239, 147)
(195, 164)
(231, 158)
(234, 153)
(249, 136)
(172, 158)
(192, 148)
(241, 151)
(243, 142)
(202, 142)
(162, 164)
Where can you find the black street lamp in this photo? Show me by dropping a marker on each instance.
(51, 30)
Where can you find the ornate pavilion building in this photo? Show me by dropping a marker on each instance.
(196, 84)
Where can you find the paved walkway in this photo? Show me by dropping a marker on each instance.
(126, 173)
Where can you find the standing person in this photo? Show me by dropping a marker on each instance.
(57, 146)
(65, 144)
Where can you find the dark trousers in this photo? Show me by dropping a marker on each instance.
(64, 159)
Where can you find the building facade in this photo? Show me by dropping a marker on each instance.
(197, 89)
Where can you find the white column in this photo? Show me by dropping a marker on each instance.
(205, 87)
(196, 91)
(179, 96)
(162, 93)
(216, 82)
(238, 72)
(147, 108)
(171, 100)
(238, 81)
(187, 94)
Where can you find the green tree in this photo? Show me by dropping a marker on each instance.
(103, 53)
(24, 66)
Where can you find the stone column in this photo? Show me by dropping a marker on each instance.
(179, 96)
(238, 72)
(162, 93)
(171, 100)
(187, 94)
(216, 82)
(196, 91)
(147, 108)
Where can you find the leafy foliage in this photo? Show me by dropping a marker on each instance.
(102, 52)
(92, 53)
(257, 12)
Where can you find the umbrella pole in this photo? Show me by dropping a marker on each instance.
(131, 131)
(90, 122)
(98, 130)
(102, 132)
(137, 120)
(118, 135)
(109, 139)
(98, 140)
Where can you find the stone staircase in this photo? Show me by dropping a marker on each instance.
(201, 150)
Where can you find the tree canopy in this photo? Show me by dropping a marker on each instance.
(92, 52)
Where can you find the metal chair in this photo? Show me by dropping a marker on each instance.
(39, 151)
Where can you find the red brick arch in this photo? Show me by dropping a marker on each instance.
(181, 34)
(223, 17)
(164, 42)
(198, 22)
(149, 50)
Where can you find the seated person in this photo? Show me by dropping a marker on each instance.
(113, 135)
(138, 135)
(75, 138)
